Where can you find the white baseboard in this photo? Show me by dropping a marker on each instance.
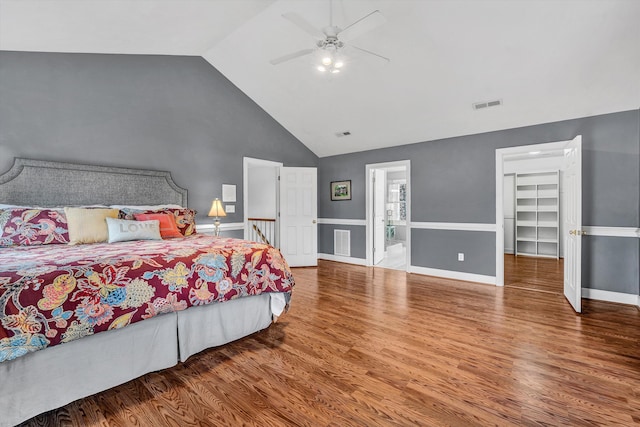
(610, 296)
(345, 259)
(449, 274)
(595, 294)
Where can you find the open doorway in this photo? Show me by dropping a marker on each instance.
(547, 221)
(280, 209)
(260, 187)
(388, 215)
(533, 194)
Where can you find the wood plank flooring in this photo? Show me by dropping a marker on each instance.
(374, 347)
(533, 273)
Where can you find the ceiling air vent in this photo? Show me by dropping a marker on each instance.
(487, 104)
(341, 134)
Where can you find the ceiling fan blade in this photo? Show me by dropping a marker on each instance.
(291, 56)
(362, 26)
(370, 53)
(303, 24)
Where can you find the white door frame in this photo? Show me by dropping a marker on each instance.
(379, 208)
(369, 208)
(501, 153)
(247, 162)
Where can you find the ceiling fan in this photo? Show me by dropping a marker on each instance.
(332, 40)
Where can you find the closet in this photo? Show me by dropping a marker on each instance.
(533, 204)
(537, 210)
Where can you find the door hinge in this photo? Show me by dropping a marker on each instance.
(278, 177)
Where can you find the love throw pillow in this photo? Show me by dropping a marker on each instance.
(122, 230)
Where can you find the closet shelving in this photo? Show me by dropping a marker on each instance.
(538, 214)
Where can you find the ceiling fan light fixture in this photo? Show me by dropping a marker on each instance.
(328, 46)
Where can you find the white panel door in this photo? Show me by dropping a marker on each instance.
(298, 216)
(573, 223)
(379, 187)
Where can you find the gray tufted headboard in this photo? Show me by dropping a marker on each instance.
(48, 184)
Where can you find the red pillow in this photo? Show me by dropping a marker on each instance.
(32, 226)
(168, 227)
(185, 218)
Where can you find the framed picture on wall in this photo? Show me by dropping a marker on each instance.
(341, 190)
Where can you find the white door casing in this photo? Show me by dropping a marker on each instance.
(573, 223)
(369, 213)
(247, 164)
(379, 190)
(501, 154)
(298, 216)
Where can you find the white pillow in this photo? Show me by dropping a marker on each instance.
(123, 230)
(146, 207)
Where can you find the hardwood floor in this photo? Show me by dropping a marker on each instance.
(369, 346)
(535, 274)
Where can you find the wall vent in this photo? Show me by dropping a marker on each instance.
(487, 104)
(342, 242)
(341, 134)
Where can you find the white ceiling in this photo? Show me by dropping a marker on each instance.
(546, 60)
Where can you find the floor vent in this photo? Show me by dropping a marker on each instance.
(486, 104)
(342, 242)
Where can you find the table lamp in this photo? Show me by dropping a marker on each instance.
(217, 211)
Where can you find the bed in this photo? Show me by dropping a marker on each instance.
(160, 301)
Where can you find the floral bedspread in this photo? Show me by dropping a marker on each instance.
(53, 294)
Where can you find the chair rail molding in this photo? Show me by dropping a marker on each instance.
(224, 226)
(593, 230)
(341, 221)
(454, 226)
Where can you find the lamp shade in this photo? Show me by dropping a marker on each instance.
(216, 209)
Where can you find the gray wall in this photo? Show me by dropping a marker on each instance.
(152, 112)
(440, 248)
(358, 239)
(453, 180)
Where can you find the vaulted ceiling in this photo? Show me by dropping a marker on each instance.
(546, 60)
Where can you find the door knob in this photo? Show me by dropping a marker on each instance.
(314, 221)
(572, 232)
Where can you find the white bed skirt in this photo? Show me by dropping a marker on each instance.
(53, 377)
(200, 328)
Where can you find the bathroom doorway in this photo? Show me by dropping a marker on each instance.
(388, 215)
